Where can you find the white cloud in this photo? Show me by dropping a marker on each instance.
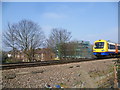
(53, 15)
(46, 28)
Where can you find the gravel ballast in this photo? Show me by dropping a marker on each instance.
(71, 75)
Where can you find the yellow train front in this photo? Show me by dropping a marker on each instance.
(105, 48)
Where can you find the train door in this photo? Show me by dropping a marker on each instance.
(116, 48)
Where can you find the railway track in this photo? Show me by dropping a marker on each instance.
(42, 63)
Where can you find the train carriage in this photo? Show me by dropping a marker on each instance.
(105, 48)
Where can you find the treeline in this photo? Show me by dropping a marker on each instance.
(27, 36)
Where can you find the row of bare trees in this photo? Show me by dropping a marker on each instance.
(27, 36)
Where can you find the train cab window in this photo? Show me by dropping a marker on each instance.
(99, 45)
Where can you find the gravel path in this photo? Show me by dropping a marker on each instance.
(72, 75)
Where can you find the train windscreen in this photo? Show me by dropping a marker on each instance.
(99, 45)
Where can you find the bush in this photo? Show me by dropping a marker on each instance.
(4, 57)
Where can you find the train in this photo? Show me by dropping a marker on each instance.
(104, 48)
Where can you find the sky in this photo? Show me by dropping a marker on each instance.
(88, 21)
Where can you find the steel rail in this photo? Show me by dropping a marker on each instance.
(43, 63)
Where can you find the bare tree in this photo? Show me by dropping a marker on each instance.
(57, 40)
(9, 38)
(29, 36)
(24, 35)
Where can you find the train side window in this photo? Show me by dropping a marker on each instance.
(111, 46)
(118, 47)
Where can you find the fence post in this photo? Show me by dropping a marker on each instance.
(115, 76)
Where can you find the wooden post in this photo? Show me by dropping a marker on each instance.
(115, 76)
